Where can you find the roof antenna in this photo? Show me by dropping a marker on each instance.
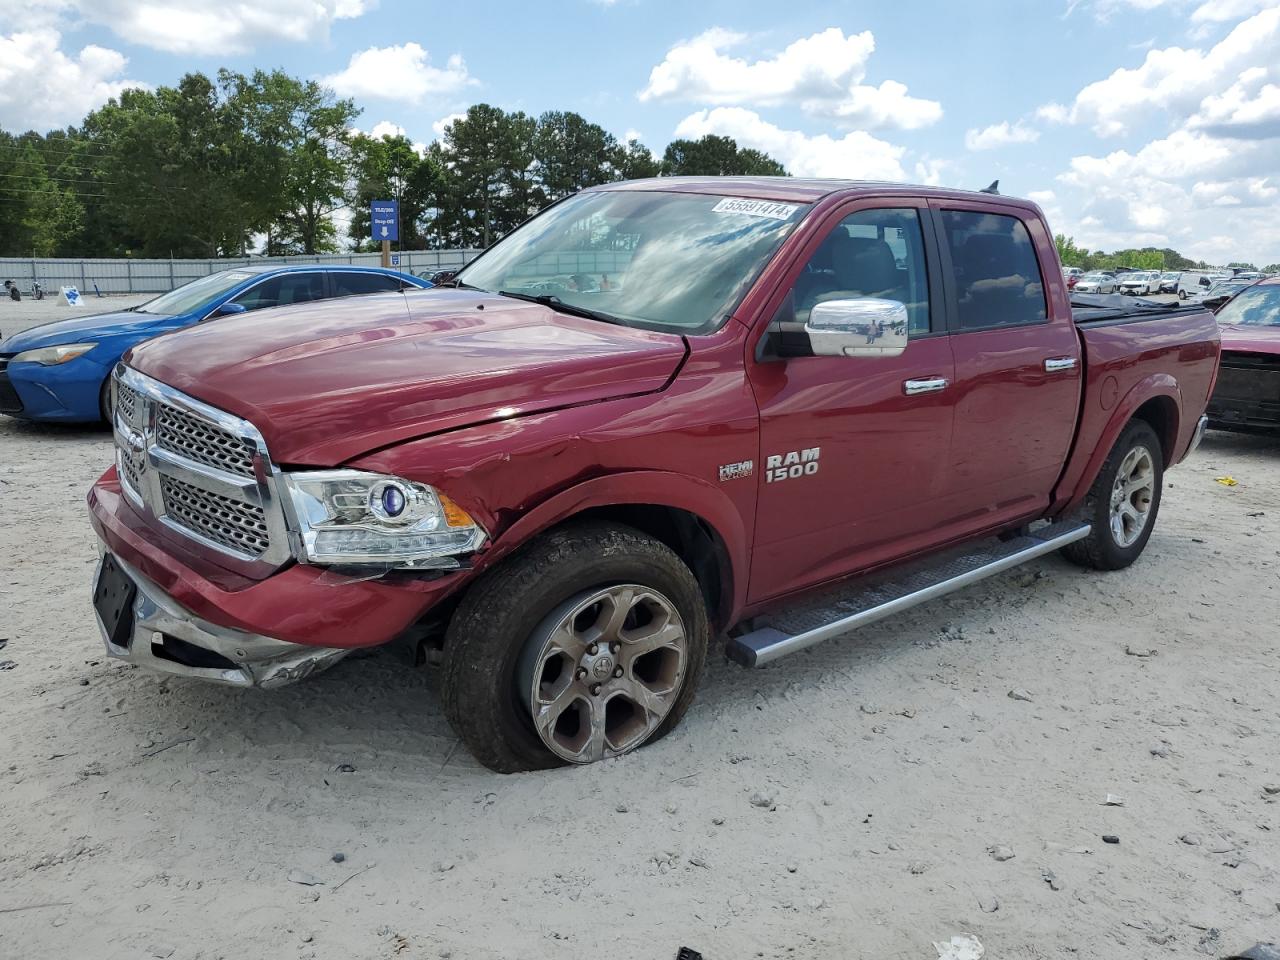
(994, 188)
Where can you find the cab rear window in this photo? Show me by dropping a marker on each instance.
(996, 271)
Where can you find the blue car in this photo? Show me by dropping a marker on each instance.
(59, 371)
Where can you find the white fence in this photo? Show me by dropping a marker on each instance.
(159, 276)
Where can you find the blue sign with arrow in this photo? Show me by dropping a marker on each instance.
(384, 219)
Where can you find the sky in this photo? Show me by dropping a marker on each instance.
(1132, 122)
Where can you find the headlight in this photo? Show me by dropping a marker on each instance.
(52, 356)
(352, 517)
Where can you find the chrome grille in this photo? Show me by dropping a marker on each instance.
(240, 526)
(131, 469)
(199, 474)
(126, 402)
(204, 443)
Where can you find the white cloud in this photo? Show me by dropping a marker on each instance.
(857, 155)
(1000, 135)
(1216, 11)
(931, 172)
(821, 74)
(42, 88)
(385, 128)
(195, 26)
(1173, 80)
(1250, 107)
(440, 125)
(402, 72)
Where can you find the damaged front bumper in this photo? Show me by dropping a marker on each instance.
(150, 629)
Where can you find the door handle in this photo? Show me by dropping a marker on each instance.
(1058, 364)
(925, 385)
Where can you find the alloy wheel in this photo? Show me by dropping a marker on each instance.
(1131, 496)
(602, 672)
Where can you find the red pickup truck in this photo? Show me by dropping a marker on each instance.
(658, 413)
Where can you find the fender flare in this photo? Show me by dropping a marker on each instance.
(639, 488)
(1149, 388)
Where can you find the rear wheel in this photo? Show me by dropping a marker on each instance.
(1123, 502)
(586, 645)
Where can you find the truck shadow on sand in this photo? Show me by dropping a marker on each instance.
(374, 712)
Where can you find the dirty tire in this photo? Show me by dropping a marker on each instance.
(1101, 550)
(499, 612)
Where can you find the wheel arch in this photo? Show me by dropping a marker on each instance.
(696, 520)
(1155, 400)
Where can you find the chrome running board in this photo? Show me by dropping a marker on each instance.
(856, 605)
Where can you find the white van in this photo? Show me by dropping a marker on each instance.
(1195, 282)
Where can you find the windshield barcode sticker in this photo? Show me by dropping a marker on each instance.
(756, 208)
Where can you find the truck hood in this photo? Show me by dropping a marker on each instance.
(332, 380)
(79, 330)
(1253, 339)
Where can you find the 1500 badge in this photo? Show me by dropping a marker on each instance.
(792, 465)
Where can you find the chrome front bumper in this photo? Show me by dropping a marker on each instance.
(167, 638)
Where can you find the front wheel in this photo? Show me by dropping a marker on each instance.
(586, 645)
(1123, 502)
(105, 409)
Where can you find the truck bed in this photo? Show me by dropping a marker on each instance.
(1134, 349)
(1091, 308)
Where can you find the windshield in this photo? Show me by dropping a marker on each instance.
(1095, 276)
(195, 294)
(1224, 286)
(1254, 307)
(664, 261)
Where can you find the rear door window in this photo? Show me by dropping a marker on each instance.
(284, 289)
(349, 284)
(997, 274)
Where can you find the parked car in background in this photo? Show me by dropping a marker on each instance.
(1194, 282)
(1140, 283)
(1247, 395)
(564, 497)
(1096, 282)
(59, 371)
(1072, 275)
(1220, 292)
(1169, 281)
(1249, 275)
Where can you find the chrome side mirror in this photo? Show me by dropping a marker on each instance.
(867, 327)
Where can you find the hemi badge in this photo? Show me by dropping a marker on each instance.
(736, 471)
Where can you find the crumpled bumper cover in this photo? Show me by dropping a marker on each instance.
(167, 638)
(299, 604)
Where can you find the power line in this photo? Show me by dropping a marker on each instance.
(52, 179)
(56, 146)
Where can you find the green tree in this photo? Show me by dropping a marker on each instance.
(294, 135)
(178, 174)
(488, 158)
(714, 156)
(634, 161)
(570, 154)
(1068, 253)
(391, 168)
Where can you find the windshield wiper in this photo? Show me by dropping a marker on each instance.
(572, 309)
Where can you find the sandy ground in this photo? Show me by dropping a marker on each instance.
(143, 817)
